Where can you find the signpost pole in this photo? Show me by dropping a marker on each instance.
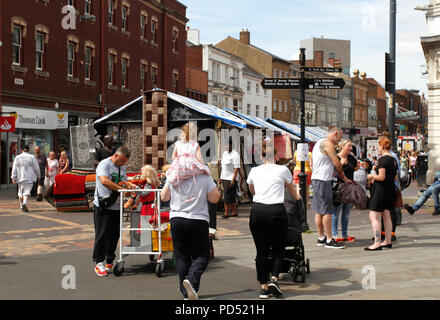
(303, 175)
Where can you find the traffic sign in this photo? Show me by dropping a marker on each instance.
(325, 83)
(280, 83)
(320, 69)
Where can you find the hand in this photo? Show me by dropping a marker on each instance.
(346, 180)
(14, 181)
(369, 177)
(232, 184)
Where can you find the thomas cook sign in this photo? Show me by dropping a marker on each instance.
(38, 119)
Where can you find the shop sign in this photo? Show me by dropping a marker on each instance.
(37, 118)
(62, 120)
(7, 124)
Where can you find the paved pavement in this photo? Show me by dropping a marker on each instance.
(36, 246)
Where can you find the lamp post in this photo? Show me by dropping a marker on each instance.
(303, 176)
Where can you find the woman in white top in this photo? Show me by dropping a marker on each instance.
(268, 218)
(52, 169)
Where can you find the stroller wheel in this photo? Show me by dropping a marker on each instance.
(308, 265)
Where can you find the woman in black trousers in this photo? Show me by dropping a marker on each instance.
(268, 218)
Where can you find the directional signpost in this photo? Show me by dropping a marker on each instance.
(303, 84)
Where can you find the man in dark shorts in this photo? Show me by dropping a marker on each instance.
(325, 162)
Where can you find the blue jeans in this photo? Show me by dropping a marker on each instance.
(345, 208)
(434, 190)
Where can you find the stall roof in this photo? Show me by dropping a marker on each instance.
(203, 108)
(312, 134)
(255, 121)
(209, 110)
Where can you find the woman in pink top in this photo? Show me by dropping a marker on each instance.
(412, 163)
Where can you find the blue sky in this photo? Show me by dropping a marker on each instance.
(279, 25)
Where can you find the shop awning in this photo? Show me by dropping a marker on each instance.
(208, 110)
(311, 134)
(260, 123)
(119, 110)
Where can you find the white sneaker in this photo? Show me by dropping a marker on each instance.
(192, 294)
(100, 269)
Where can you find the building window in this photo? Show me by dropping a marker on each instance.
(111, 11)
(265, 112)
(143, 26)
(88, 63)
(175, 80)
(154, 26)
(286, 106)
(143, 77)
(16, 45)
(175, 37)
(70, 58)
(275, 105)
(249, 86)
(248, 110)
(124, 12)
(154, 75)
(111, 68)
(275, 73)
(257, 89)
(71, 3)
(124, 75)
(88, 7)
(257, 111)
(39, 51)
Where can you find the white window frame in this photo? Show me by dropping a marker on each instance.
(88, 56)
(111, 69)
(124, 15)
(39, 54)
(111, 12)
(71, 59)
(124, 72)
(17, 45)
(88, 7)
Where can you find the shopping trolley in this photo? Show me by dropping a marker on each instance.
(153, 241)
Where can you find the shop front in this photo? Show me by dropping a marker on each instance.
(33, 127)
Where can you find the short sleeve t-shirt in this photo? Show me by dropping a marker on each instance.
(230, 162)
(107, 168)
(390, 166)
(268, 181)
(190, 200)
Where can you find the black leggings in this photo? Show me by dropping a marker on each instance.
(268, 224)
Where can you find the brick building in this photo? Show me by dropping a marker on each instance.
(196, 78)
(67, 62)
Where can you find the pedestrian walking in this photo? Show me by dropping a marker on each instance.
(190, 228)
(349, 166)
(383, 195)
(110, 177)
(325, 161)
(42, 163)
(53, 168)
(413, 164)
(230, 166)
(404, 161)
(25, 171)
(268, 218)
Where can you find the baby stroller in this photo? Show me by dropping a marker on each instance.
(295, 262)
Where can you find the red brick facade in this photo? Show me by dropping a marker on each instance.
(196, 78)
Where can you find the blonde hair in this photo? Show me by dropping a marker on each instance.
(63, 155)
(189, 132)
(343, 143)
(165, 167)
(149, 174)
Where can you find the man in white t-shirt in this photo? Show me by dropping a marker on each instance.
(230, 163)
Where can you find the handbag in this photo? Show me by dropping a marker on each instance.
(335, 194)
(105, 202)
(398, 200)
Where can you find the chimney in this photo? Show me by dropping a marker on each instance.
(318, 58)
(356, 73)
(245, 36)
(331, 61)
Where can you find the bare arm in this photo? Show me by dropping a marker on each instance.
(106, 182)
(214, 195)
(165, 194)
(252, 189)
(330, 151)
(199, 155)
(378, 177)
(291, 188)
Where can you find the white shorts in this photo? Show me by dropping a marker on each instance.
(24, 190)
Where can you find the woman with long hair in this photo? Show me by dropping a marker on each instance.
(64, 162)
(268, 218)
(150, 176)
(383, 195)
(349, 166)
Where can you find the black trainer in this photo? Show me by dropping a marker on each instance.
(409, 208)
(321, 243)
(264, 294)
(436, 212)
(334, 245)
(274, 289)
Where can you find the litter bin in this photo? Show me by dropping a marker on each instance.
(421, 169)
